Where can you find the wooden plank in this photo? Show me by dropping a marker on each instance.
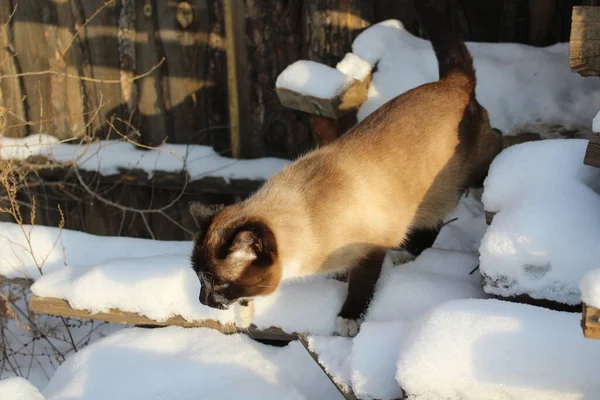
(584, 49)
(12, 107)
(61, 308)
(101, 61)
(332, 27)
(240, 120)
(148, 53)
(183, 32)
(590, 322)
(334, 108)
(592, 153)
(67, 93)
(32, 53)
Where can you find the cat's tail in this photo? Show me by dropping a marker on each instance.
(435, 18)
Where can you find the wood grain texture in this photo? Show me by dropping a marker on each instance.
(32, 53)
(60, 307)
(590, 322)
(13, 112)
(584, 49)
(592, 153)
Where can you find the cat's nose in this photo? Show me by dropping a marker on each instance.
(211, 299)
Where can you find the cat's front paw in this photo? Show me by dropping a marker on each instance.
(347, 327)
(244, 314)
(400, 257)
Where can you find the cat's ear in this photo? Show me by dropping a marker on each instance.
(253, 243)
(203, 214)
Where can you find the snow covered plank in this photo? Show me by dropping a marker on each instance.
(347, 393)
(590, 322)
(584, 50)
(592, 153)
(61, 308)
(321, 90)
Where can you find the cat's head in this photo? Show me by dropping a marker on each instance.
(234, 256)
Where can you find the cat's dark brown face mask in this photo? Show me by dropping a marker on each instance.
(234, 259)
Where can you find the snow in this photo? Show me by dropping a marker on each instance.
(109, 156)
(354, 66)
(17, 388)
(313, 79)
(374, 357)
(404, 292)
(590, 288)
(179, 363)
(544, 237)
(492, 349)
(596, 123)
(524, 88)
(54, 248)
(334, 355)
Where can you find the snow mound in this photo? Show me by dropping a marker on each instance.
(109, 156)
(313, 79)
(18, 389)
(520, 86)
(405, 291)
(492, 349)
(334, 355)
(354, 66)
(374, 357)
(24, 248)
(544, 237)
(178, 363)
(596, 123)
(590, 288)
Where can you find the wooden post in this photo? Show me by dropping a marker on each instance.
(237, 76)
(590, 322)
(592, 153)
(584, 51)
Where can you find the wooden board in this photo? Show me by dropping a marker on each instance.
(60, 307)
(584, 50)
(333, 108)
(592, 154)
(590, 322)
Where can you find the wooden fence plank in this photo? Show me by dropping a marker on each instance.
(11, 95)
(31, 52)
(584, 49)
(60, 307)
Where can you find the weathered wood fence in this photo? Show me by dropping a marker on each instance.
(178, 51)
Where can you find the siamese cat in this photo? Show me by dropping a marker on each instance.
(389, 182)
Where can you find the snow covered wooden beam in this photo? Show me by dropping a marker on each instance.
(584, 50)
(321, 90)
(590, 322)
(61, 308)
(333, 107)
(592, 153)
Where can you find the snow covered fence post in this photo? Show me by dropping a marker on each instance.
(331, 95)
